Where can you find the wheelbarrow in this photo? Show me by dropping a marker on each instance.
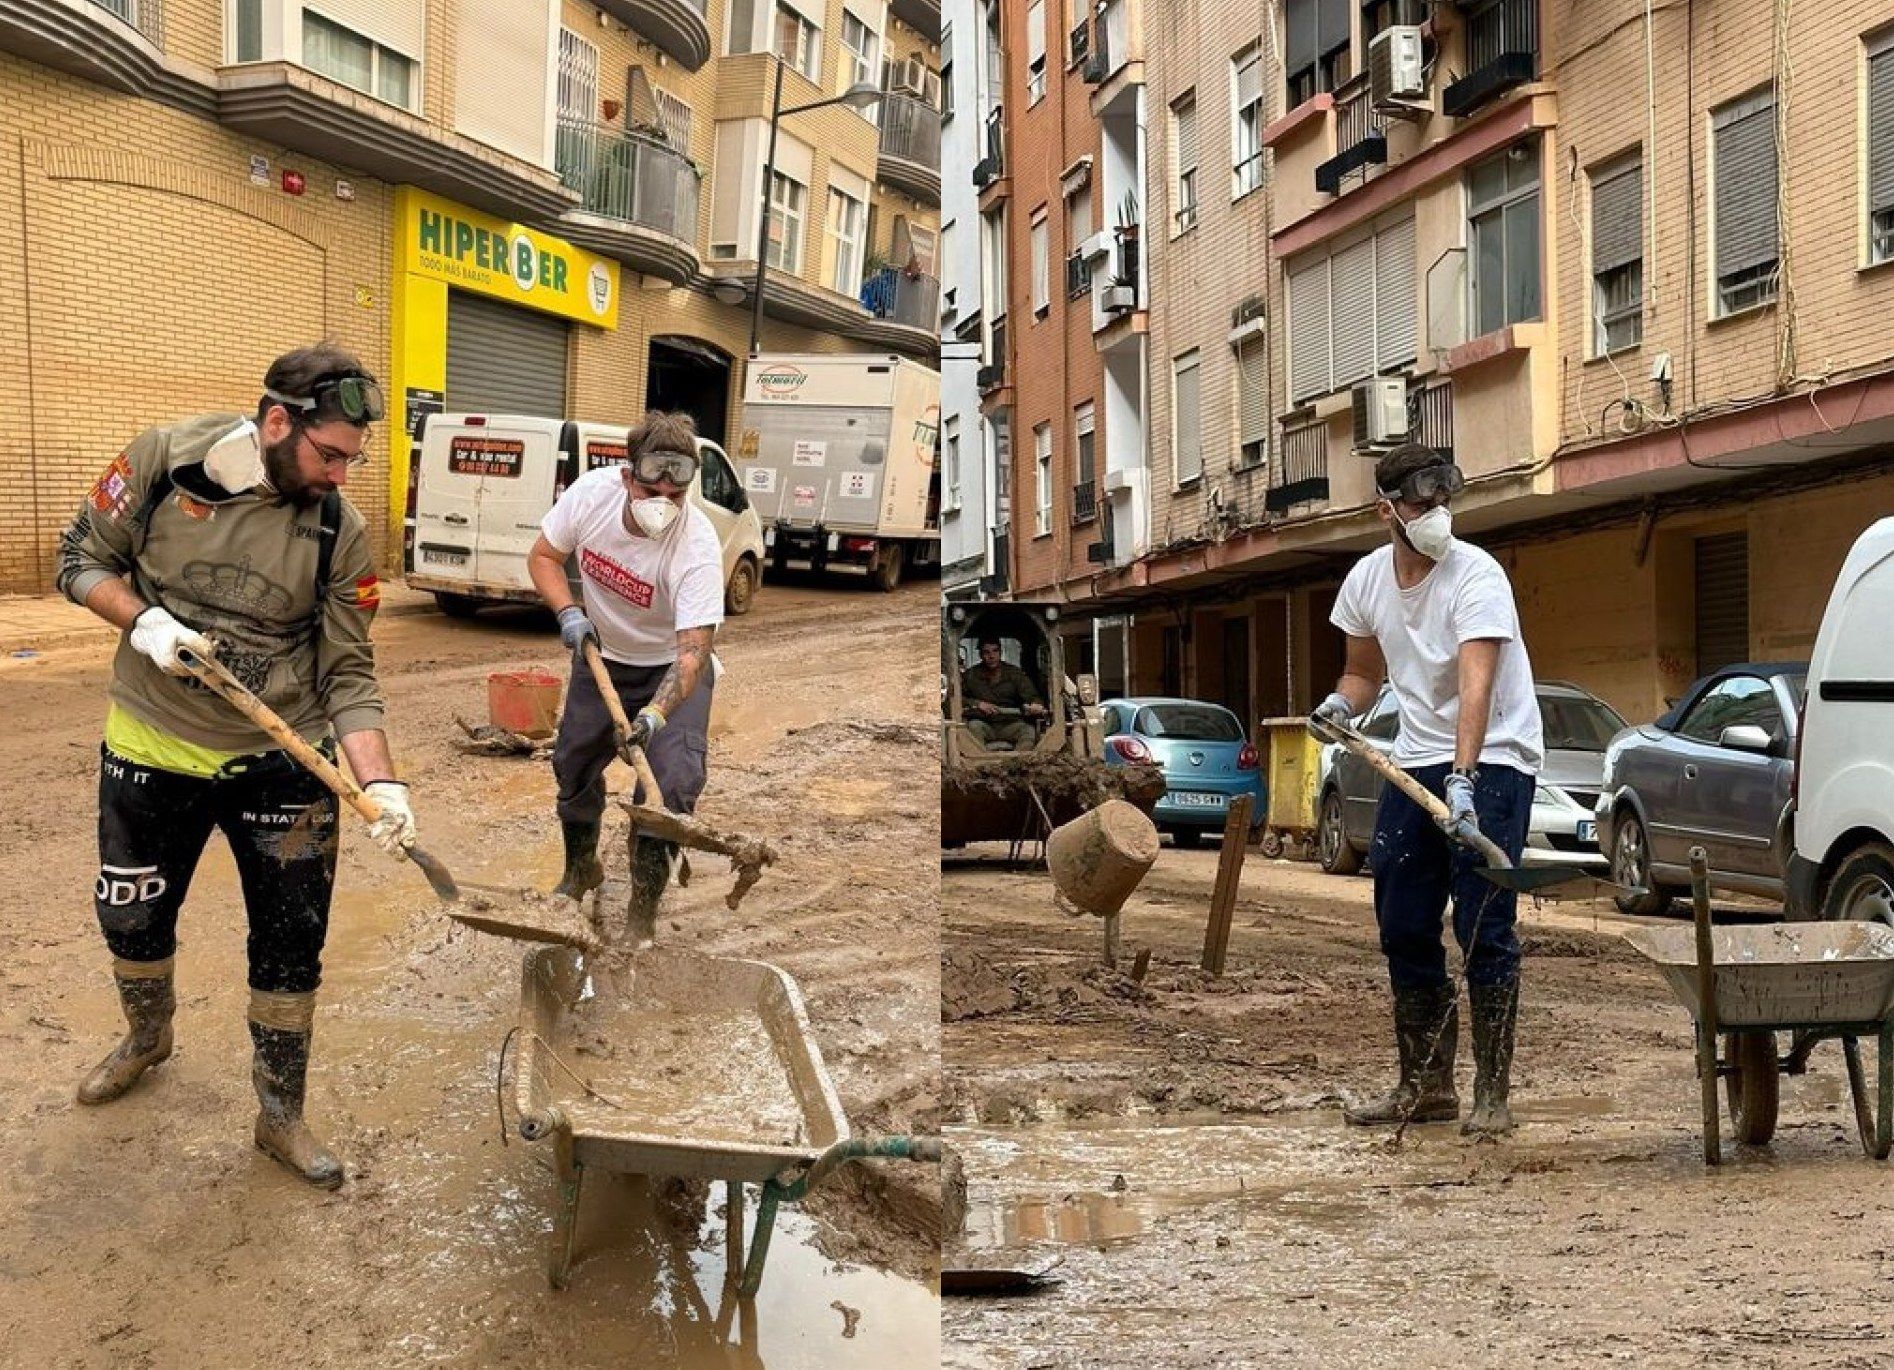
(673, 1063)
(1814, 981)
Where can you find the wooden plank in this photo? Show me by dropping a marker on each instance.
(1236, 829)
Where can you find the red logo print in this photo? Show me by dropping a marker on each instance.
(609, 575)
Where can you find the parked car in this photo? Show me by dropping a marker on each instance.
(1206, 758)
(1714, 772)
(1577, 725)
(1841, 862)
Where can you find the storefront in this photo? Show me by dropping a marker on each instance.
(483, 319)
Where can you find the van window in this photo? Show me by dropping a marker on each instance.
(720, 482)
(1743, 699)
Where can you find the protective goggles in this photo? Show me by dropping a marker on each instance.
(680, 468)
(350, 394)
(1427, 484)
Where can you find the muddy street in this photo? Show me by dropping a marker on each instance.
(1174, 1150)
(151, 1231)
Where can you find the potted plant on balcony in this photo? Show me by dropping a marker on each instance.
(1121, 296)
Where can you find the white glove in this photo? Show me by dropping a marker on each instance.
(1334, 709)
(394, 830)
(157, 635)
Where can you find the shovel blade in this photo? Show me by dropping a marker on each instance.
(1556, 883)
(523, 932)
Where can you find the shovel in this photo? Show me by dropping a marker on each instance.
(1541, 882)
(218, 679)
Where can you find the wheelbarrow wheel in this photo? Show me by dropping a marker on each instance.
(1754, 1085)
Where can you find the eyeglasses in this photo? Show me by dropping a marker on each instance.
(335, 456)
(680, 468)
(1427, 484)
(350, 394)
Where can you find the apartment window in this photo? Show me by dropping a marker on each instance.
(846, 217)
(950, 461)
(1078, 227)
(1318, 53)
(1246, 132)
(1184, 162)
(249, 30)
(1187, 417)
(1881, 149)
(798, 42)
(1252, 400)
(947, 74)
(993, 262)
(674, 117)
(1041, 264)
(1042, 466)
(1743, 172)
(348, 58)
(858, 58)
(1085, 458)
(786, 201)
(1617, 256)
(1503, 216)
(1353, 310)
(1035, 51)
(578, 77)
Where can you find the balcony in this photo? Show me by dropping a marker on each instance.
(680, 28)
(117, 43)
(1361, 141)
(1116, 65)
(910, 146)
(1502, 51)
(294, 108)
(921, 15)
(903, 312)
(1304, 475)
(639, 199)
(1084, 501)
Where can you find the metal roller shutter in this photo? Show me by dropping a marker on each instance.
(1881, 130)
(1617, 218)
(1352, 294)
(504, 360)
(1397, 301)
(1745, 171)
(1722, 582)
(1308, 329)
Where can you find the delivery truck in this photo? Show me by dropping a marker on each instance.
(840, 454)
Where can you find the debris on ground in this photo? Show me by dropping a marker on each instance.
(489, 739)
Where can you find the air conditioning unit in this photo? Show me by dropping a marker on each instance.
(907, 76)
(1380, 411)
(1397, 71)
(931, 91)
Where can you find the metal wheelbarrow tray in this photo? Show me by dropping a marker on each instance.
(1814, 981)
(699, 1067)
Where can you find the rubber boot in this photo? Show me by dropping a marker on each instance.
(651, 865)
(583, 873)
(1426, 1032)
(146, 996)
(1495, 1010)
(280, 1027)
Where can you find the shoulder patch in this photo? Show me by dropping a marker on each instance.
(112, 492)
(367, 593)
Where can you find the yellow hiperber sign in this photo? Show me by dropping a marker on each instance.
(441, 240)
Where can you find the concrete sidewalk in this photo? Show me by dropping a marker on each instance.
(33, 623)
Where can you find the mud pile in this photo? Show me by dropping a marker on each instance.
(1062, 781)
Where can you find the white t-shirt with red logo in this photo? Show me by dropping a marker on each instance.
(639, 592)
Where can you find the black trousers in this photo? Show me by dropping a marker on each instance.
(281, 824)
(585, 745)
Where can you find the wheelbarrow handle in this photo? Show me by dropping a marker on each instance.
(1488, 850)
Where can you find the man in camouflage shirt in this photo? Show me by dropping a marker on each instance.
(1000, 701)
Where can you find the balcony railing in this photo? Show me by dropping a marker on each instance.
(1360, 141)
(1085, 501)
(910, 130)
(628, 177)
(1433, 425)
(1502, 52)
(147, 16)
(893, 295)
(992, 165)
(1114, 44)
(1078, 276)
(1304, 473)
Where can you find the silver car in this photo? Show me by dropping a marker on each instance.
(1714, 772)
(1578, 725)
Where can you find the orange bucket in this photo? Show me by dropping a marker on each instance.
(524, 702)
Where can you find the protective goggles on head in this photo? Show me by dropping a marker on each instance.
(680, 468)
(350, 394)
(1427, 484)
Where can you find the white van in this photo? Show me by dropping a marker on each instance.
(479, 485)
(1842, 864)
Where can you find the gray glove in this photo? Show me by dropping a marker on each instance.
(575, 628)
(647, 721)
(1461, 823)
(1334, 709)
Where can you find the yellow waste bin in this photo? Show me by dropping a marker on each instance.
(1295, 762)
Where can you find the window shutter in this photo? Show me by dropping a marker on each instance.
(1249, 79)
(1351, 291)
(1617, 219)
(1185, 116)
(1396, 300)
(1252, 403)
(1189, 417)
(1308, 329)
(1036, 31)
(1301, 36)
(1881, 130)
(1746, 186)
(1331, 26)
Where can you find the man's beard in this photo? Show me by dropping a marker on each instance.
(286, 478)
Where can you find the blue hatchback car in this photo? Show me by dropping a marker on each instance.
(1206, 759)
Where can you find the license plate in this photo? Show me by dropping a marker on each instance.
(1587, 830)
(1193, 799)
(445, 558)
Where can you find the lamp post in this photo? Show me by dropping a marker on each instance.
(858, 96)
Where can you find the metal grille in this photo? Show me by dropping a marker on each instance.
(1078, 276)
(1085, 501)
(1722, 584)
(910, 130)
(147, 16)
(1356, 121)
(1304, 475)
(1500, 29)
(1433, 417)
(674, 117)
(578, 77)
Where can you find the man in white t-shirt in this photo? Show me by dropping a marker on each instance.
(1435, 617)
(652, 572)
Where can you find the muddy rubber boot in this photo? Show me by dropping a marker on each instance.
(1495, 1010)
(280, 1028)
(1427, 1033)
(651, 865)
(146, 996)
(583, 873)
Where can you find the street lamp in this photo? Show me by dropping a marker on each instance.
(858, 96)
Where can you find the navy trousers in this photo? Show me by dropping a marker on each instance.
(1418, 870)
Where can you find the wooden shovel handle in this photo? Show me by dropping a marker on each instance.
(621, 727)
(1412, 788)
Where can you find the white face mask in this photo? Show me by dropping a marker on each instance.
(655, 515)
(1430, 534)
(235, 461)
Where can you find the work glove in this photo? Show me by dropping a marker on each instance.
(1334, 709)
(1461, 823)
(394, 830)
(575, 628)
(643, 727)
(157, 635)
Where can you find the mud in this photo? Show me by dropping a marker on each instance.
(1064, 783)
(151, 1233)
